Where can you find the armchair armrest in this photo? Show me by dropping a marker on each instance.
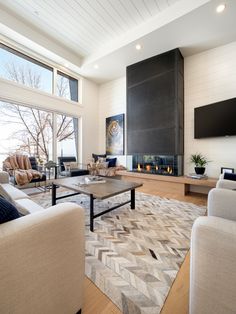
(222, 203)
(212, 275)
(226, 184)
(42, 261)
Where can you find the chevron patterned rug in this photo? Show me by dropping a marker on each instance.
(134, 255)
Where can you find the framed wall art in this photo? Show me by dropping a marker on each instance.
(115, 135)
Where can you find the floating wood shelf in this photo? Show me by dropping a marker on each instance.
(171, 184)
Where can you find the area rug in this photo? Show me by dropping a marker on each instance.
(134, 255)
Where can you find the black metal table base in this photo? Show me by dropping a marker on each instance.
(92, 215)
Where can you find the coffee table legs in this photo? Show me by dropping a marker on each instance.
(132, 192)
(54, 190)
(91, 212)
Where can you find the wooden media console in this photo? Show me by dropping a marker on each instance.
(169, 184)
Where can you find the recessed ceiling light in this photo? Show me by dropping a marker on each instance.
(66, 64)
(220, 8)
(96, 66)
(138, 47)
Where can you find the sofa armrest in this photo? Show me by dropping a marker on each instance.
(226, 184)
(222, 203)
(4, 177)
(212, 275)
(42, 261)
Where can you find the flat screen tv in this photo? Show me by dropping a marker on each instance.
(218, 119)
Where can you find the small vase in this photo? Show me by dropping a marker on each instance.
(200, 170)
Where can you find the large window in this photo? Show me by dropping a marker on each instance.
(67, 86)
(19, 68)
(31, 131)
(22, 69)
(67, 134)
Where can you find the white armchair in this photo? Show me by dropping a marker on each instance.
(42, 262)
(225, 184)
(213, 256)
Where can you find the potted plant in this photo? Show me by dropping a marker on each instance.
(200, 161)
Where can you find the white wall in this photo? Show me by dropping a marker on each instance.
(112, 101)
(209, 77)
(88, 111)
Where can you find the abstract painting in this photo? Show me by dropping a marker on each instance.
(115, 135)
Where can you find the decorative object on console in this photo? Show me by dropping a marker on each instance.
(115, 135)
(197, 176)
(200, 161)
(228, 170)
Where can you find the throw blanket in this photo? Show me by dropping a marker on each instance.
(19, 166)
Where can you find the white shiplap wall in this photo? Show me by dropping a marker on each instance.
(112, 101)
(210, 77)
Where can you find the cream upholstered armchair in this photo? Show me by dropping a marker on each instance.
(213, 256)
(225, 184)
(42, 262)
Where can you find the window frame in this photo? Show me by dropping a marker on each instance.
(48, 65)
(54, 131)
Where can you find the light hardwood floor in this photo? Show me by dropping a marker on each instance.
(177, 300)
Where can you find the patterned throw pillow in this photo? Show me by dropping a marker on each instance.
(95, 157)
(70, 165)
(7, 211)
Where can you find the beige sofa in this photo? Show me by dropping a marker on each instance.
(42, 260)
(20, 199)
(213, 256)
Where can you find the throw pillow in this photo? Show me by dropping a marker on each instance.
(101, 160)
(70, 165)
(95, 157)
(111, 162)
(7, 211)
(74, 165)
(230, 176)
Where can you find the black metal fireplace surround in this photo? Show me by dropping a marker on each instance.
(155, 114)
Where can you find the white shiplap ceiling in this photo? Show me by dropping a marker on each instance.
(81, 33)
(86, 25)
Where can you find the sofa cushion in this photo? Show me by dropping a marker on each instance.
(230, 176)
(7, 211)
(11, 193)
(26, 206)
(111, 162)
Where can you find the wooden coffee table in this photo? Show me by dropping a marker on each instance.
(99, 191)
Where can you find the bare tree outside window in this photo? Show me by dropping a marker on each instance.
(34, 127)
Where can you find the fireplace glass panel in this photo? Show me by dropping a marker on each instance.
(170, 165)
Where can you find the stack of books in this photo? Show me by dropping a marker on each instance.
(197, 176)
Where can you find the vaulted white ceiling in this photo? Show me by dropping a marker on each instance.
(86, 25)
(82, 33)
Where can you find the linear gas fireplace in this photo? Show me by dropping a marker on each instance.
(169, 165)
